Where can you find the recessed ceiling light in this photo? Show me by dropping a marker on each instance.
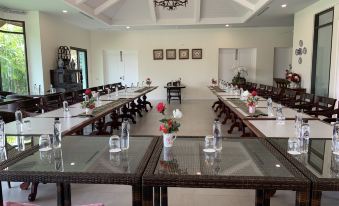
(64, 11)
(284, 5)
(227, 25)
(128, 27)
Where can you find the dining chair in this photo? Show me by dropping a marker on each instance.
(52, 101)
(324, 106)
(288, 98)
(31, 107)
(305, 102)
(276, 94)
(261, 90)
(70, 97)
(173, 92)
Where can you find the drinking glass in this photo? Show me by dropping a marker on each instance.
(209, 144)
(114, 144)
(45, 143)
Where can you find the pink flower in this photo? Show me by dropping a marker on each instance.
(88, 92)
(254, 93)
(161, 107)
(163, 128)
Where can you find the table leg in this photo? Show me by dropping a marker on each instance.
(67, 194)
(262, 198)
(164, 199)
(34, 191)
(157, 196)
(302, 198)
(60, 194)
(316, 198)
(147, 196)
(136, 195)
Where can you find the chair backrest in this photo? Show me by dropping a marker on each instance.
(276, 91)
(7, 116)
(70, 97)
(262, 86)
(325, 103)
(290, 94)
(18, 96)
(307, 98)
(52, 101)
(269, 88)
(254, 85)
(30, 105)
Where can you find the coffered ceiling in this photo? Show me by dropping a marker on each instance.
(142, 14)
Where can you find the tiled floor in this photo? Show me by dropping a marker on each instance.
(197, 120)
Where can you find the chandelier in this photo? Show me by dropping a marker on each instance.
(170, 4)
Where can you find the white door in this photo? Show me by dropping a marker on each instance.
(282, 60)
(120, 66)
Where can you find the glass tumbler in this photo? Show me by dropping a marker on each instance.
(45, 143)
(28, 125)
(114, 144)
(209, 144)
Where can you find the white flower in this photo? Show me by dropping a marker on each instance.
(177, 114)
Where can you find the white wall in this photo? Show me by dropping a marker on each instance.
(196, 74)
(55, 33)
(304, 30)
(246, 57)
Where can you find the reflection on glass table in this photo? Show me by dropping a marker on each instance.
(87, 160)
(241, 164)
(319, 164)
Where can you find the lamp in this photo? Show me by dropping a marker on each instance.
(170, 4)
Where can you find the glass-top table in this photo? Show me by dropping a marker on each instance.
(242, 164)
(83, 159)
(319, 164)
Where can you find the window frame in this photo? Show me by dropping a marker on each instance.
(25, 43)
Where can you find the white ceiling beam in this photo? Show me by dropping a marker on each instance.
(245, 4)
(152, 11)
(197, 11)
(81, 1)
(103, 7)
(258, 7)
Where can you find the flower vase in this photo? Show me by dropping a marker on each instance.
(88, 111)
(168, 154)
(251, 109)
(168, 139)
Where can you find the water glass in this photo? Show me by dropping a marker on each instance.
(21, 143)
(115, 158)
(209, 144)
(65, 106)
(114, 144)
(3, 155)
(46, 156)
(28, 125)
(294, 146)
(45, 143)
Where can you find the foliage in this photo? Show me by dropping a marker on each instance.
(169, 125)
(13, 63)
(88, 104)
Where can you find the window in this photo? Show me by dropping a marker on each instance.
(13, 59)
(322, 48)
(80, 59)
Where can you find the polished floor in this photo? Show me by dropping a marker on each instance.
(197, 121)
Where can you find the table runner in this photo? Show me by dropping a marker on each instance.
(242, 105)
(97, 110)
(142, 89)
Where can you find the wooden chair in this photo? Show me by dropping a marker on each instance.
(253, 87)
(248, 86)
(288, 98)
(70, 97)
(324, 106)
(261, 90)
(305, 102)
(173, 92)
(332, 119)
(31, 107)
(276, 94)
(268, 91)
(52, 101)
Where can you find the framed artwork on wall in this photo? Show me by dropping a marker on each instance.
(184, 53)
(196, 53)
(171, 54)
(158, 54)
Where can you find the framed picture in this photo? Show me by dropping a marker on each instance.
(158, 54)
(196, 53)
(184, 53)
(171, 54)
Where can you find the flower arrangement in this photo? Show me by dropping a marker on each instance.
(88, 93)
(169, 125)
(240, 73)
(148, 81)
(291, 76)
(252, 99)
(90, 104)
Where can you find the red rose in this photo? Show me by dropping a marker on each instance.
(254, 93)
(88, 92)
(170, 122)
(163, 128)
(161, 107)
(92, 106)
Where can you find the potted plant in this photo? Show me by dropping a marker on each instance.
(293, 78)
(169, 126)
(252, 101)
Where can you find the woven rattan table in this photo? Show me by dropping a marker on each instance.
(320, 165)
(82, 160)
(242, 164)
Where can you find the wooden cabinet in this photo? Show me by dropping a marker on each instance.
(68, 79)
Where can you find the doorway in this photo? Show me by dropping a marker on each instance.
(282, 60)
(120, 66)
(80, 58)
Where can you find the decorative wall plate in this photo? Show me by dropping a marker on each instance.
(184, 53)
(301, 43)
(171, 54)
(196, 53)
(304, 50)
(300, 60)
(158, 54)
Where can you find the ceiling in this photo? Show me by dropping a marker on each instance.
(142, 14)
